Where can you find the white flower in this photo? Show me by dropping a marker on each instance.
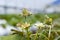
(40, 24)
(36, 26)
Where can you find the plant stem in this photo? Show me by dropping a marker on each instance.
(36, 36)
(27, 35)
(49, 33)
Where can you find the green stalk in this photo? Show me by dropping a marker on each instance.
(28, 35)
(36, 36)
(49, 33)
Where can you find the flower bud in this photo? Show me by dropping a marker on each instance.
(48, 21)
(26, 12)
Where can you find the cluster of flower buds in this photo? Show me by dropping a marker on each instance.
(23, 25)
(21, 28)
(25, 12)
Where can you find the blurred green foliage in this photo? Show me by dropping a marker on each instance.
(13, 19)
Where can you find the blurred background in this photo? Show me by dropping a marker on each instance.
(10, 10)
(15, 6)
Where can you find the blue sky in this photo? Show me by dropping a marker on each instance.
(56, 2)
